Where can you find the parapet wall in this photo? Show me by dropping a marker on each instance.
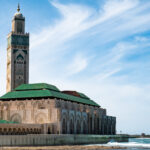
(46, 140)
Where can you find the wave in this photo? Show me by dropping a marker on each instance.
(148, 138)
(129, 144)
(133, 143)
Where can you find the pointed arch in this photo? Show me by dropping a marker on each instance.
(41, 118)
(16, 118)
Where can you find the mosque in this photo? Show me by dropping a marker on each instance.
(42, 108)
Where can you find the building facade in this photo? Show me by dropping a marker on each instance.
(17, 53)
(59, 112)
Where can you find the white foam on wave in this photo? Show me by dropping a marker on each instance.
(144, 138)
(129, 144)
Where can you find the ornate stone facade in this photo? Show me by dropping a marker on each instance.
(59, 116)
(17, 53)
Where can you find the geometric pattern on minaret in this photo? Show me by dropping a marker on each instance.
(17, 53)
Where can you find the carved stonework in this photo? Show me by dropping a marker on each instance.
(16, 118)
(40, 118)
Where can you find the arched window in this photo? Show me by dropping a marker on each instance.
(98, 131)
(71, 126)
(10, 131)
(19, 27)
(78, 127)
(14, 131)
(84, 127)
(49, 130)
(64, 126)
(95, 124)
(31, 131)
(105, 126)
(16, 118)
(5, 130)
(19, 70)
(0, 131)
(23, 131)
(90, 124)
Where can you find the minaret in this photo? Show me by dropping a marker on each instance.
(17, 53)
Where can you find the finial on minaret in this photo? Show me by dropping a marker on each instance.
(18, 9)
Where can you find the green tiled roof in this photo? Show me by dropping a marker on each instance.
(45, 91)
(5, 121)
(37, 86)
(83, 95)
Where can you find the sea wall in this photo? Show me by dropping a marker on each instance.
(46, 140)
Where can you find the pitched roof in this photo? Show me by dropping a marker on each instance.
(75, 93)
(37, 86)
(83, 95)
(43, 90)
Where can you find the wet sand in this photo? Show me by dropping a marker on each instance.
(76, 147)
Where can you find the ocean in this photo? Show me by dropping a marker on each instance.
(133, 144)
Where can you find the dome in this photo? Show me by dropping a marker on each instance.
(18, 15)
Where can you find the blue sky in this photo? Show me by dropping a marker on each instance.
(100, 48)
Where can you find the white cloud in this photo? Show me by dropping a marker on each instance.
(117, 7)
(55, 39)
(78, 64)
(76, 19)
(70, 24)
(142, 39)
(106, 74)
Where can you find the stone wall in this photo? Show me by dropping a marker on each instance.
(32, 111)
(59, 116)
(77, 118)
(45, 140)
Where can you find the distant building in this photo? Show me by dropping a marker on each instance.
(43, 108)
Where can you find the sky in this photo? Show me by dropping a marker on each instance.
(98, 47)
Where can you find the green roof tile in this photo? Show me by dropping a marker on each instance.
(83, 95)
(6, 122)
(36, 86)
(26, 94)
(73, 98)
(49, 91)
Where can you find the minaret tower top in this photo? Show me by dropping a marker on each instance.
(18, 22)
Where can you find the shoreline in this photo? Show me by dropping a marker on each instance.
(64, 147)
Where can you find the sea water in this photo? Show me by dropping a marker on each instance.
(133, 144)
